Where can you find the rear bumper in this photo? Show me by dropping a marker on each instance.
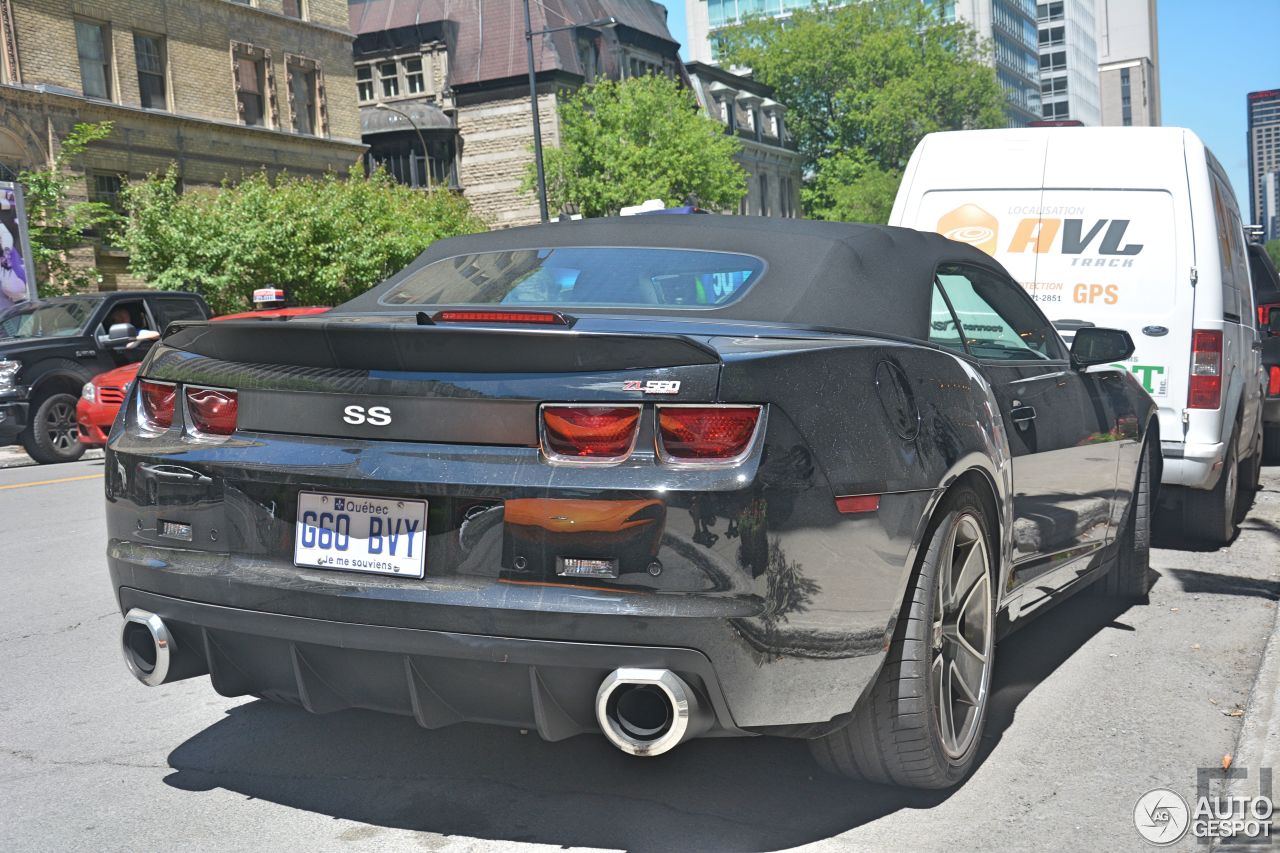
(1196, 466)
(436, 677)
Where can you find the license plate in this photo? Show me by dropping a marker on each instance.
(351, 533)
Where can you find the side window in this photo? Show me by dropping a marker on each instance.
(997, 319)
(943, 328)
(132, 312)
(171, 310)
(1230, 256)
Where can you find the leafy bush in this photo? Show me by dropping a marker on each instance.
(323, 240)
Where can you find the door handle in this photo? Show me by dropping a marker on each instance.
(1022, 415)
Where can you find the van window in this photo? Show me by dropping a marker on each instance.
(1236, 302)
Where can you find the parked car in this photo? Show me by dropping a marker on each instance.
(1266, 286)
(102, 396)
(1266, 293)
(660, 478)
(50, 347)
(1134, 228)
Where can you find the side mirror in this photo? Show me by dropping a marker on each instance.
(121, 332)
(1093, 345)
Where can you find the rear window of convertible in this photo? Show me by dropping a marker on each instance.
(594, 276)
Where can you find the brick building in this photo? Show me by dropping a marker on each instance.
(219, 87)
(473, 106)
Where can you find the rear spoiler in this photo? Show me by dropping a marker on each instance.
(453, 349)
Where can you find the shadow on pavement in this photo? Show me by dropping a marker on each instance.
(492, 783)
(1216, 583)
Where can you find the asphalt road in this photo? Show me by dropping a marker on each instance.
(1093, 706)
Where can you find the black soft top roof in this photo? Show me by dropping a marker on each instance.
(872, 278)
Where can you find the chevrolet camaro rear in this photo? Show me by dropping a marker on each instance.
(649, 479)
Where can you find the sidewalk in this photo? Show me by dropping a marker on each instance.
(15, 457)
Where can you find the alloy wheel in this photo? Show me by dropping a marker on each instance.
(962, 636)
(61, 426)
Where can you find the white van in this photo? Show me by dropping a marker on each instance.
(1130, 228)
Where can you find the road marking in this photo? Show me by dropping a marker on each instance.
(52, 482)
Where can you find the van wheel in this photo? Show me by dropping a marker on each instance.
(53, 434)
(1127, 578)
(921, 723)
(1211, 515)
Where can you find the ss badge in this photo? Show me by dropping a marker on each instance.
(652, 386)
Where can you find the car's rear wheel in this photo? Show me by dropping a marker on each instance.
(921, 723)
(1128, 576)
(53, 434)
(1210, 515)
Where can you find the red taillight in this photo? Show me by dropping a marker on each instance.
(1206, 370)
(1264, 316)
(853, 504)
(212, 410)
(704, 434)
(1273, 385)
(158, 400)
(590, 433)
(546, 318)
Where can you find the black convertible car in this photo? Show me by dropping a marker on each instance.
(659, 478)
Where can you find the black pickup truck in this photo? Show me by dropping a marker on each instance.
(50, 348)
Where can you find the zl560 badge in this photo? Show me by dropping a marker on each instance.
(652, 386)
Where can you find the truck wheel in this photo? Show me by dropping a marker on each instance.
(921, 723)
(53, 434)
(1127, 577)
(1211, 515)
(1271, 445)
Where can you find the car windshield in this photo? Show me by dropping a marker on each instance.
(60, 319)
(597, 276)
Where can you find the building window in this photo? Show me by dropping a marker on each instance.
(764, 195)
(1056, 86)
(1056, 61)
(294, 8)
(1049, 11)
(105, 189)
(149, 52)
(1059, 110)
(1126, 104)
(253, 82)
(93, 43)
(388, 74)
(414, 80)
(364, 82)
(1053, 37)
(303, 97)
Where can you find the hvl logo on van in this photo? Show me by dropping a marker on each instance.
(973, 225)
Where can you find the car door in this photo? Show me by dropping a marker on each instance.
(171, 309)
(1062, 426)
(140, 317)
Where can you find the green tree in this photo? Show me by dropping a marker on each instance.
(1273, 249)
(863, 83)
(58, 225)
(625, 142)
(323, 240)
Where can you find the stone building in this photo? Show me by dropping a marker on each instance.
(218, 87)
(747, 110)
(458, 73)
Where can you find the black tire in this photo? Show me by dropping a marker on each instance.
(53, 435)
(1210, 516)
(1128, 577)
(900, 733)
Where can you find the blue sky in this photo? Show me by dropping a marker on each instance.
(1211, 55)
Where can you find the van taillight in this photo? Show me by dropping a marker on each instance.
(1273, 386)
(1205, 391)
(577, 433)
(158, 402)
(706, 434)
(212, 411)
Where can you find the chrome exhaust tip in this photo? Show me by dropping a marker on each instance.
(147, 645)
(646, 712)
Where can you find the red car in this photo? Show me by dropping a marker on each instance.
(101, 396)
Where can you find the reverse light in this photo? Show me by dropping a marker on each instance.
(703, 435)
(212, 411)
(158, 402)
(544, 318)
(1273, 385)
(600, 434)
(1205, 391)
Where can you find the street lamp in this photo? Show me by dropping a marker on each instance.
(529, 33)
(426, 158)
